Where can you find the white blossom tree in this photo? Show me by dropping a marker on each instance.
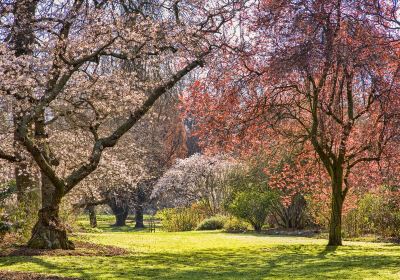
(197, 178)
(62, 71)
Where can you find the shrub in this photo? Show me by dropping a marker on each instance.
(179, 219)
(362, 219)
(250, 198)
(235, 225)
(212, 223)
(376, 213)
(252, 206)
(21, 215)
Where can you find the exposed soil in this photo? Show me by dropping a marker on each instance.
(13, 275)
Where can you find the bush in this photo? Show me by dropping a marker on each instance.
(22, 215)
(179, 219)
(362, 219)
(213, 223)
(377, 214)
(252, 206)
(235, 225)
(250, 198)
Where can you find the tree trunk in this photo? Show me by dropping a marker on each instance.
(92, 216)
(139, 216)
(140, 200)
(49, 232)
(120, 210)
(335, 224)
(22, 39)
(257, 227)
(120, 217)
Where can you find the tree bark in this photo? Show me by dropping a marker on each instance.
(119, 206)
(22, 39)
(335, 224)
(49, 232)
(140, 200)
(139, 216)
(120, 216)
(257, 227)
(92, 216)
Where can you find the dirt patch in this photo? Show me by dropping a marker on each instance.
(13, 275)
(81, 249)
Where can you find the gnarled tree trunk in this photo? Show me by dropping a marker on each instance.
(49, 232)
(120, 211)
(23, 37)
(120, 216)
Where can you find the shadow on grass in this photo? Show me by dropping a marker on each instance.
(328, 250)
(276, 262)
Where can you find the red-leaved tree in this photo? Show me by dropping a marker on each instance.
(321, 73)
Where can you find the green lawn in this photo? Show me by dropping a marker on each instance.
(217, 255)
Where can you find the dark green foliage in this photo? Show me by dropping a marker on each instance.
(252, 206)
(234, 225)
(251, 199)
(212, 223)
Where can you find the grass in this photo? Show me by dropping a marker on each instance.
(217, 255)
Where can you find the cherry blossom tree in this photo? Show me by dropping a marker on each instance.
(194, 179)
(61, 67)
(125, 177)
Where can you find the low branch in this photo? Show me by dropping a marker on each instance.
(5, 156)
(89, 204)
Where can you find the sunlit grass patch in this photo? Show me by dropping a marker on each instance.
(218, 255)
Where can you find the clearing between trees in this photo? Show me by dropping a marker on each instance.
(214, 255)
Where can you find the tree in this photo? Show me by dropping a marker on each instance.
(142, 199)
(12, 151)
(321, 73)
(250, 196)
(295, 174)
(71, 72)
(198, 178)
(253, 207)
(140, 157)
(119, 200)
